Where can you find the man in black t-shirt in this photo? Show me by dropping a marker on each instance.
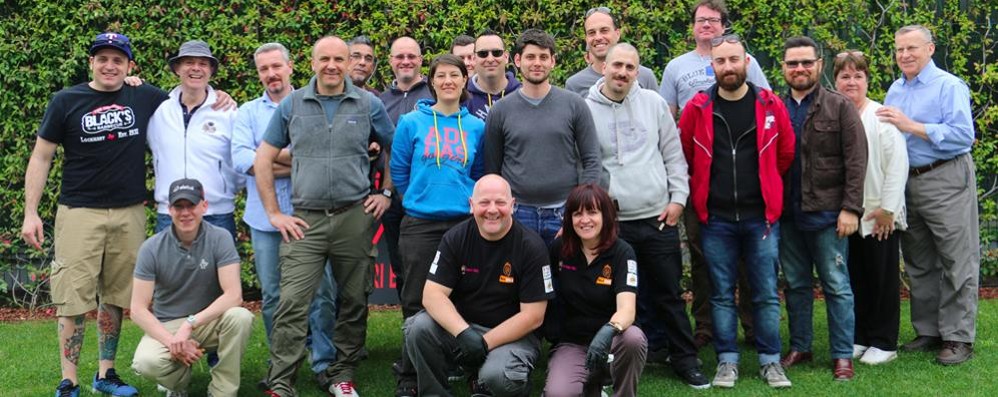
(100, 222)
(486, 293)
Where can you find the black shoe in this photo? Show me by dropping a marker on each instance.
(406, 387)
(478, 389)
(695, 378)
(923, 344)
(262, 385)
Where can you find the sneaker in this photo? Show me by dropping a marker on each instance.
(113, 385)
(727, 374)
(695, 378)
(344, 389)
(406, 387)
(858, 350)
(270, 393)
(170, 393)
(455, 374)
(874, 356)
(67, 389)
(954, 353)
(478, 389)
(774, 375)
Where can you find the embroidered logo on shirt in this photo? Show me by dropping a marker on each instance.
(433, 267)
(507, 274)
(606, 278)
(203, 264)
(632, 273)
(209, 127)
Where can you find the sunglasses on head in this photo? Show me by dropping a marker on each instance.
(844, 54)
(728, 38)
(485, 53)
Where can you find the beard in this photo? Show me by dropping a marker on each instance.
(536, 80)
(729, 85)
(805, 85)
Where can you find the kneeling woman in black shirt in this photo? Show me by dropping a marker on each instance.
(597, 285)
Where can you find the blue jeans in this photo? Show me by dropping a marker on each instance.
(757, 242)
(544, 221)
(322, 313)
(224, 221)
(802, 252)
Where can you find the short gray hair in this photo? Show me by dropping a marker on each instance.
(273, 47)
(916, 28)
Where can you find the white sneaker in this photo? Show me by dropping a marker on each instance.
(344, 389)
(875, 356)
(726, 376)
(858, 350)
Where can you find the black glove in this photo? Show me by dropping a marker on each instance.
(599, 348)
(471, 349)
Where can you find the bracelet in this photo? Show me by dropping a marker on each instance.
(616, 327)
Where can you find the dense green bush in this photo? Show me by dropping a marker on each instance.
(45, 49)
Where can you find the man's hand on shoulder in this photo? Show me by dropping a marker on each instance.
(291, 228)
(224, 101)
(133, 81)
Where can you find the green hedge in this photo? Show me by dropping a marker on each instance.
(45, 49)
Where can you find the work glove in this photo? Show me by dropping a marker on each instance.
(599, 348)
(471, 349)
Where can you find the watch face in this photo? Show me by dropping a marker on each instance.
(387, 193)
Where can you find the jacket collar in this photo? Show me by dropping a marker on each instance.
(349, 91)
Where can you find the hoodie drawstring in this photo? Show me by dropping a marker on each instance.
(460, 133)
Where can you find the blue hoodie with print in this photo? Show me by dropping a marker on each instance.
(436, 160)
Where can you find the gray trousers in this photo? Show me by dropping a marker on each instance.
(506, 371)
(942, 250)
(568, 376)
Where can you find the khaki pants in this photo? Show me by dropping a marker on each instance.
(227, 335)
(95, 252)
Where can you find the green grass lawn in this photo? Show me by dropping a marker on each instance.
(29, 365)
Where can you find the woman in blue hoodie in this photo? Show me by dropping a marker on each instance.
(435, 163)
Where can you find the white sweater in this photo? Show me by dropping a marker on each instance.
(886, 169)
(201, 151)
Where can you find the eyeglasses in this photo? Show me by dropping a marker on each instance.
(806, 63)
(403, 57)
(358, 56)
(601, 10)
(728, 38)
(485, 53)
(844, 54)
(712, 21)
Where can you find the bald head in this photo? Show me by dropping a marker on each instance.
(492, 182)
(328, 41)
(492, 206)
(406, 60)
(623, 49)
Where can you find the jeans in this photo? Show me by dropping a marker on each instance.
(660, 267)
(321, 313)
(801, 253)
(757, 242)
(224, 221)
(544, 221)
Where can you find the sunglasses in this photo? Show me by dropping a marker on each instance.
(728, 38)
(485, 53)
(601, 10)
(844, 54)
(806, 63)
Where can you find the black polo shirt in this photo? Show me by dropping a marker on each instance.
(489, 279)
(587, 292)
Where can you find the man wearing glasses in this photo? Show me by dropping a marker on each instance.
(362, 63)
(409, 85)
(825, 202)
(684, 76)
(691, 72)
(941, 246)
(736, 161)
(602, 32)
(491, 81)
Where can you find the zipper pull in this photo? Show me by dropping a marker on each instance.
(766, 233)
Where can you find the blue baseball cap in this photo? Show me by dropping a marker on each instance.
(117, 41)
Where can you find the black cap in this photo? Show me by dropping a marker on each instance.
(186, 189)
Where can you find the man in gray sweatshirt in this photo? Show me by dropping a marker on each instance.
(650, 183)
(540, 139)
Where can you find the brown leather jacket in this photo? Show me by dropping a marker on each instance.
(833, 155)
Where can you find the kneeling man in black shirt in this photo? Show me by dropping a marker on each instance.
(485, 294)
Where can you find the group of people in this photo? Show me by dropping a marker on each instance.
(514, 211)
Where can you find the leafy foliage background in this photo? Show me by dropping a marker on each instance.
(44, 47)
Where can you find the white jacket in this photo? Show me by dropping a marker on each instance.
(640, 149)
(886, 169)
(201, 151)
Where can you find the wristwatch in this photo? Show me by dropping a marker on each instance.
(191, 320)
(385, 192)
(616, 326)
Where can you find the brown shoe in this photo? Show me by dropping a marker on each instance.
(842, 369)
(922, 344)
(794, 358)
(954, 353)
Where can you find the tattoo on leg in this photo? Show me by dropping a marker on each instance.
(74, 342)
(108, 331)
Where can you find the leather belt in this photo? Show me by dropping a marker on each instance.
(916, 171)
(338, 210)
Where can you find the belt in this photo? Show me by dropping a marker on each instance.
(916, 171)
(338, 210)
